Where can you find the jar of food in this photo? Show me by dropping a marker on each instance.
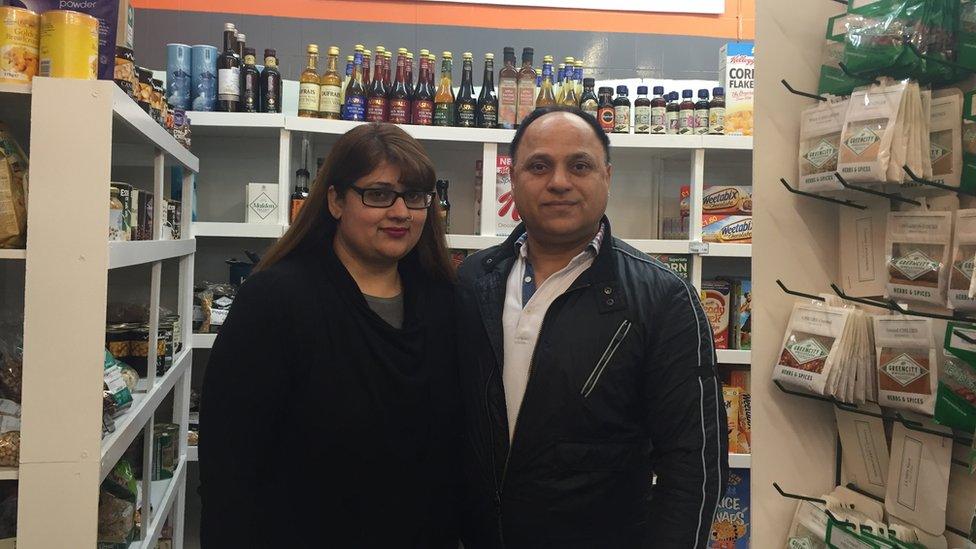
(156, 101)
(68, 45)
(117, 340)
(19, 44)
(144, 95)
(125, 70)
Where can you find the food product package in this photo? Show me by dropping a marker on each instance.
(727, 229)
(13, 191)
(741, 314)
(732, 521)
(907, 363)
(719, 200)
(963, 254)
(820, 128)
(945, 134)
(955, 405)
(918, 478)
(918, 254)
(117, 506)
(11, 364)
(716, 300)
(865, 448)
(811, 346)
(871, 129)
(833, 80)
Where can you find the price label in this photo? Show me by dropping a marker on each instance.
(700, 248)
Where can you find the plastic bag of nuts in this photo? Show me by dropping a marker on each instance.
(10, 449)
(11, 366)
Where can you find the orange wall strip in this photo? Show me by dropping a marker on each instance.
(738, 21)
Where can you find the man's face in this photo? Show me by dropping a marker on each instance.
(561, 180)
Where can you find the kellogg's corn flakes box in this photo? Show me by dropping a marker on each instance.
(737, 67)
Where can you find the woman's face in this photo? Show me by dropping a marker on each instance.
(376, 235)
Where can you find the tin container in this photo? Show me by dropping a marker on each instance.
(179, 67)
(19, 44)
(125, 70)
(68, 45)
(144, 91)
(203, 78)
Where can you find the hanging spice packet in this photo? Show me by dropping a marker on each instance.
(918, 478)
(820, 128)
(945, 135)
(833, 80)
(918, 245)
(963, 254)
(810, 346)
(956, 403)
(870, 128)
(926, 136)
(907, 363)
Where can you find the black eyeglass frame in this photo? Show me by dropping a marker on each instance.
(396, 196)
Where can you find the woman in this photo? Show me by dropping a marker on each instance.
(329, 412)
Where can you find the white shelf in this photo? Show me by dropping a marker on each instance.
(734, 356)
(740, 461)
(138, 252)
(15, 88)
(144, 405)
(728, 142)
(204, 341)
(162, 496)
(192, 453)
(13, 254)
(235, 124)
(9, 473)
(141, 124)
(729, 250)
(239, 230)
(477, 242)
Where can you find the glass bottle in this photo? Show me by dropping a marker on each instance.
(672, 113)
(377, 106)
(250, 84)
(309, 88)
(526, 86)
(686, 114)
(621, 111)
(547, 97)
(239, 48)
(659, 112)
(578, 76)
(642, 111)
(411, 89)
(300, 194)
(330, 98)
(701, 113)
(588, 101)
(350, 63)
(557, 82)
(508, 91)
(422, 109)
(229, 73)
(716, 112)
(367, 62)
(606, 113)
(566, 83)
(466, 106)
(356, 90)
(399, 98)
(441, 186)
(444, 99)
(270, 83)
(487, 99)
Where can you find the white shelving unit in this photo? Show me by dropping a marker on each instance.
(203, 341)
(734, 356)
(74, 127)
(240, 230)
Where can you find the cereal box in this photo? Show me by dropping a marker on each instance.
(737, 67)
(727, 229)
(741, 314)
(730, 527)
(720, 200)
(717, 296)
(678, 263)
(506, 215)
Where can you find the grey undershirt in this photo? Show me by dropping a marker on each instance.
(389, 309)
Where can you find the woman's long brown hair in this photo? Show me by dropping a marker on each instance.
(356, 154)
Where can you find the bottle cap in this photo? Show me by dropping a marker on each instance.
(579, 63)
(241, 37)
(528, 51)
(718, 91)
(622, 90)
(447, 55)
(686, 93)
(641, 90)
(229, 27)
(367, 53)
(425, 52)
(313, 48)
(569, 60)
(509, 51)
(249, 51)
(489, 56)
(547, 59)
(380, 49)
(702, 94)
(388, 54)
(588, 82)
(409, 55)
(333, 50)
(270, 53)
(360, 47)
(350, 58)
(402, 51)
(467, 55)
(659, 90)
(605, 90)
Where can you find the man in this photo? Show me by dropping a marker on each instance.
(588, 369)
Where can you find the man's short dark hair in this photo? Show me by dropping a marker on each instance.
(542, 111)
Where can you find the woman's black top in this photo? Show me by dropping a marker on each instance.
(323, 426)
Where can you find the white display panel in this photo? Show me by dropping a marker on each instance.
(685, 6)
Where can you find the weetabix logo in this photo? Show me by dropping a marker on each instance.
(740, 230)
(914, 264)
(263, 206)
(860, 141)
(807, 350)
(821, 154)
(720, 199)
(903, 369)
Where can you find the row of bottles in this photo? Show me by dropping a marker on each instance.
(241, 87)
(661, 115)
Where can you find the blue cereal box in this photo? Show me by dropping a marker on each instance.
(730, 529)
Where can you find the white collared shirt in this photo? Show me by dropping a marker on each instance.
(525, 309)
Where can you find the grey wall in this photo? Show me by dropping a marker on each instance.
(606, 55)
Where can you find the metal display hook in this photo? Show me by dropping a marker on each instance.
(892, 196)
(852, 74)
(801, 93)
(847, 203)
(964, 337)
(927, 57)
(895, 307)
(853, 487)
(796, 293)
(811, 500)
(928, 183)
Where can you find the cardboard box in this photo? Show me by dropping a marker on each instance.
(737, 67)
(262, 203)
(727, 229)
(719, 200)
(741, 314)
(678, 263)
(142, 219)
(506, 214)
(174, 215)
(125, 196)
(717, 295)
(731, 525)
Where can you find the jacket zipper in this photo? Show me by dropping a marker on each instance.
(601, 364)
(491, 453)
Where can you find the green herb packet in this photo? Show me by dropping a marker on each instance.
(955, 404)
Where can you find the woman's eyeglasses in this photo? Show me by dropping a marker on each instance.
(384, 198)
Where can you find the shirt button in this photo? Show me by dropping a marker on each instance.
(528, 279)
(608, 290)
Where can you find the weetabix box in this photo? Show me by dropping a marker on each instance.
(737, 67)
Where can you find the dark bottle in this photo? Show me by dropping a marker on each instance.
(686, 114)
(701, 113)
(605, 111)
(229, 73)
(621, 111)
(465, 106)
(300, 195)
(444, 98)
(659, 111)
(508, 92)
(441, 186)
(588, 101)
(270, 83)
(671, 112)
(356, 91)
(422, 107)
(526, 86)
(399, 96)
(411, 89)
(488, 101)
(642, 111)
(250, 84)
(716, 112)
(377, 106)
(239, 48)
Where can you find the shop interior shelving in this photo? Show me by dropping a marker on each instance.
(79, 134)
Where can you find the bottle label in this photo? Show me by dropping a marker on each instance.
(659, 120)
(296, 206)
(686, 122)
(330, 99)
(716, 120)
(308, 97)
(377, 109)
(507, 102)
(701, 120)
(642, 119)
(466, 115)
(621, 116)
(607, 119)
(526, 98)
(229, 84)
(444, 114)
(400, 111)
(672, 117)
(423, 112)
(488, 115)
(355, 107)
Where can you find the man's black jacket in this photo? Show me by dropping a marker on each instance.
(622, 387)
